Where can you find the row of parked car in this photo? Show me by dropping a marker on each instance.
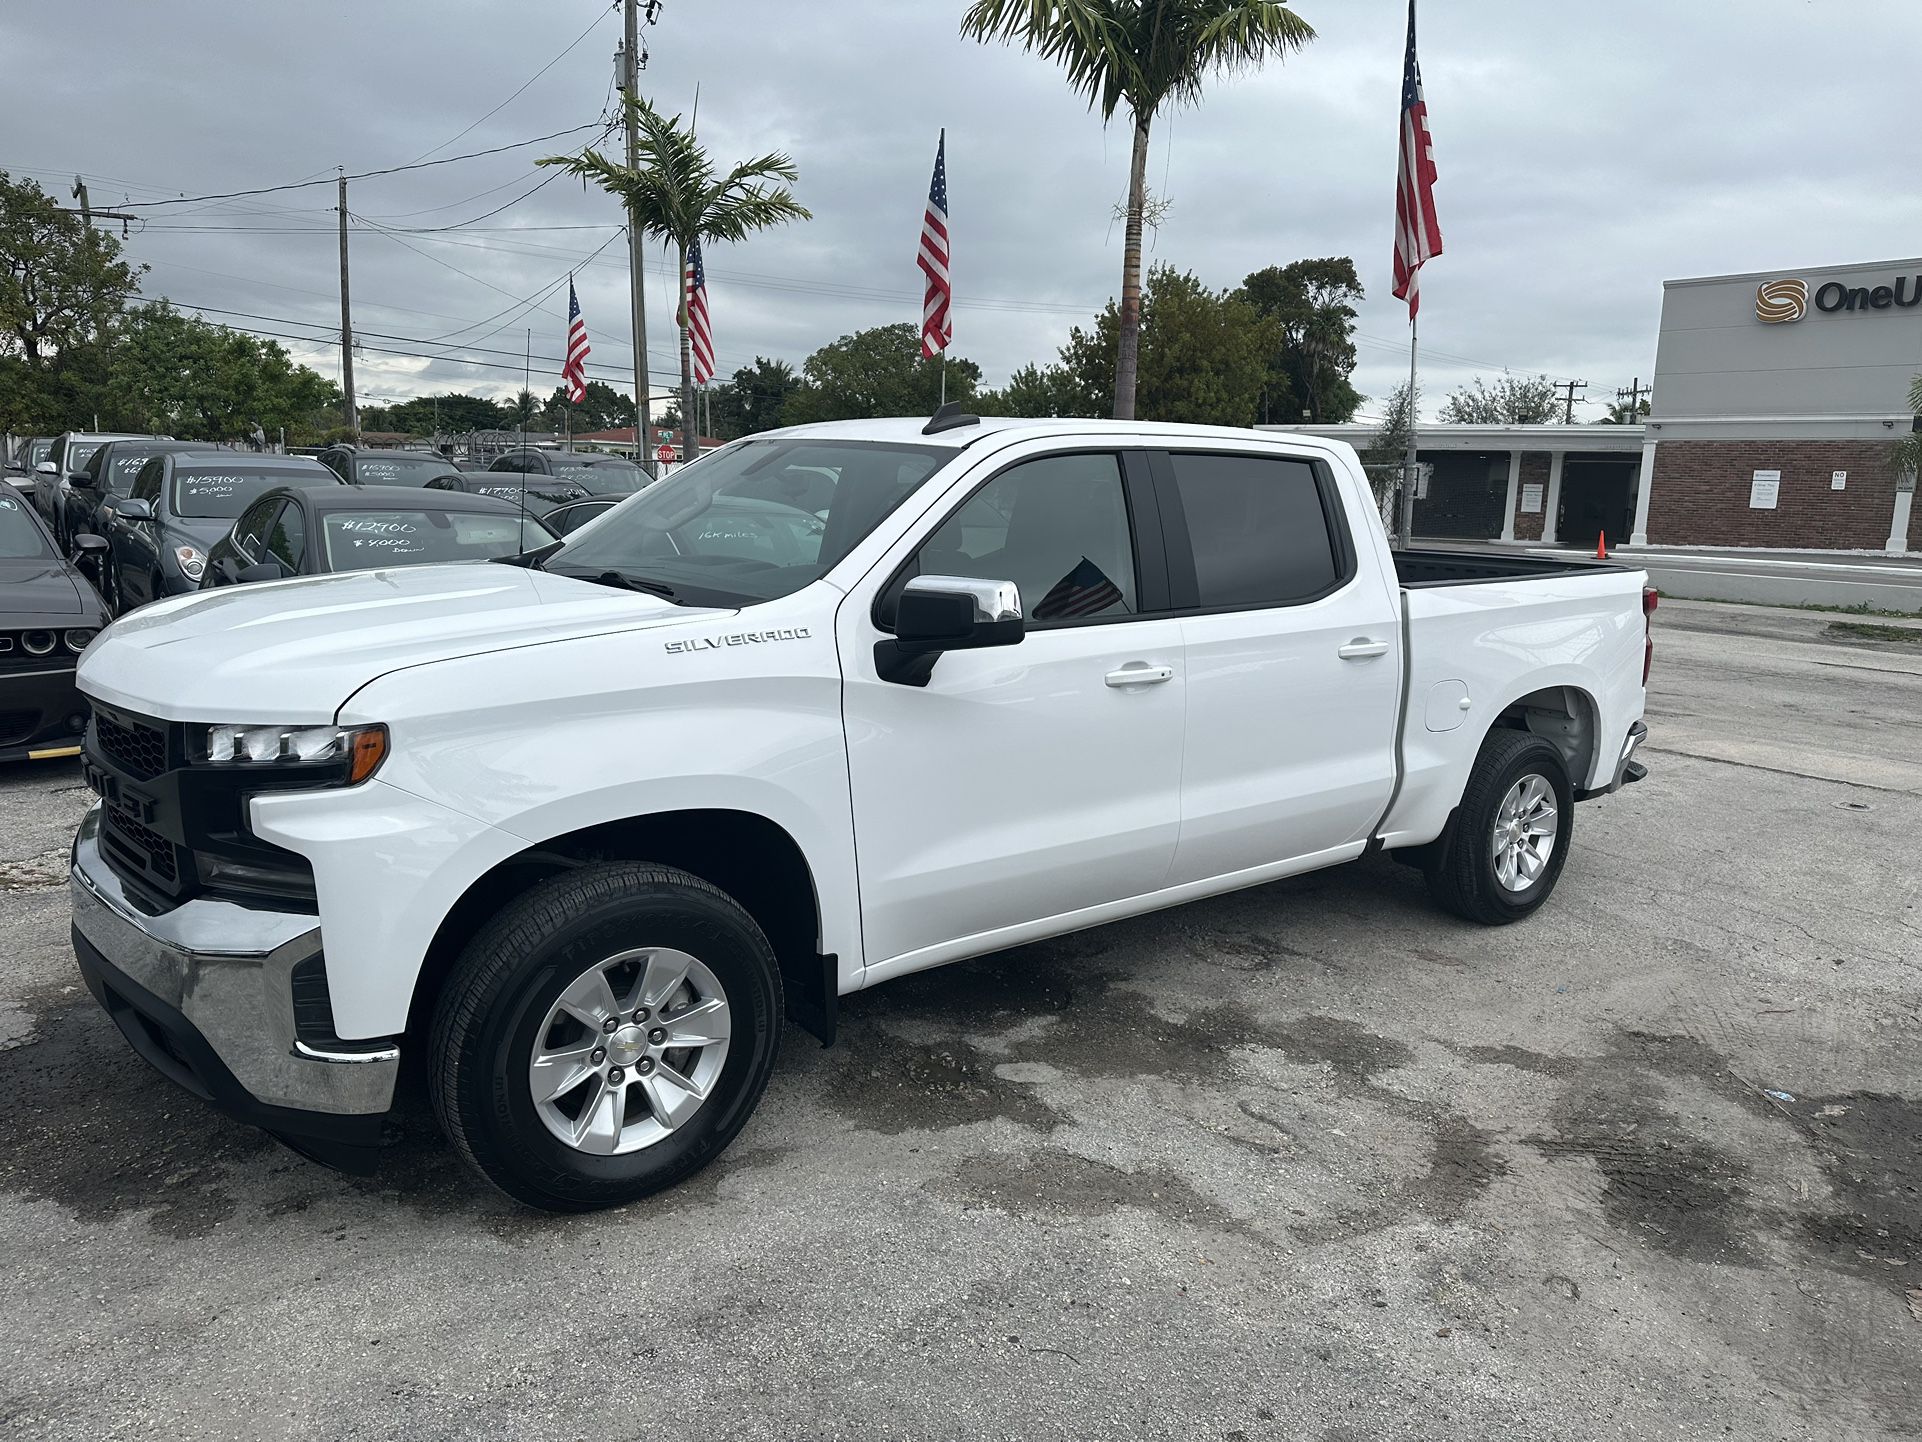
(93, 526)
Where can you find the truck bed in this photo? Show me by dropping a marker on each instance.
(1462, 568)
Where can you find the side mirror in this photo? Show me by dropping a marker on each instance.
(132, 510)
(947, 613)
(47, 468)
(262, 571)
(88, 544)
(80, 479)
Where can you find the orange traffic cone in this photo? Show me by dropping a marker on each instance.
(1601, 546)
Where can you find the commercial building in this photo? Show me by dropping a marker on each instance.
(1779, 400)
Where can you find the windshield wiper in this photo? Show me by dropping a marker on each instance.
(627, 582)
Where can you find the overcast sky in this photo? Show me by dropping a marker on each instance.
(1586, 153)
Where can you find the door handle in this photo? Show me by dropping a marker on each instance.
(1362, 649)
(1139, 673)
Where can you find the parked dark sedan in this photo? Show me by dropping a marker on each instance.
(567, 519)
(540, 494)
(180, 506)
(359, 466)
(48, 614)
(313, 531)
(109, 472)
(597, 475)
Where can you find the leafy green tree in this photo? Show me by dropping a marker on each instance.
(1509, 401)
(1204, 356)
(602, 408)
(1148, 55)
(1038, 391)
(180, 375)
(62, 285)
(61, 282)
(1313, 304)
(449, 412)
(878, 372)
(753, 400)
(676, 195)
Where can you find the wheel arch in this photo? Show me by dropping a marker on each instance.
(752, 858)
(1565, 714)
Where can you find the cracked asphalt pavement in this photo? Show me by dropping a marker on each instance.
(1308, 1161)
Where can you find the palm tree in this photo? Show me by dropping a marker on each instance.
(675, 195)
(1146, 53)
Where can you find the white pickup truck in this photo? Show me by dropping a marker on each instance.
(572, 835)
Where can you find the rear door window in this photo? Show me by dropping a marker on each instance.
(287, 536)
(1257, 527)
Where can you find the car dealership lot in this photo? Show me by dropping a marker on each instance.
(1313, 1160)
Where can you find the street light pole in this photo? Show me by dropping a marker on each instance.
(631, 93)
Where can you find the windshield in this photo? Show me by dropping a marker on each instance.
(227, 492)
(754, 521)
(356, 540)
(399, 470)
(603, 478)
(20, 538)
(79, 453)
(38, 451)
(541, 493)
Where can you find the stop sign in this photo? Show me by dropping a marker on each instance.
(664, 454)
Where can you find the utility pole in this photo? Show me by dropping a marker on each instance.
(630, 94)
(80, 194)
(352, 415)
(1633, 394)
(1568, 414)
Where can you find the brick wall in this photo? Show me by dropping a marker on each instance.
(1701, 493)
(1528, 527)
(1465, 496)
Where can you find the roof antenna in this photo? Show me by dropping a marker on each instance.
(949, 417)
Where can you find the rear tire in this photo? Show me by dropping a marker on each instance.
(553, 1066)
(1506, 845)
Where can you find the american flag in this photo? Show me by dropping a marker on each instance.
(1082, 592)
(937, 325)
(1417, 232)
(574, 369)
(700, 329)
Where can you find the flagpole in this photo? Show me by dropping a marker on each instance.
(1405, 518)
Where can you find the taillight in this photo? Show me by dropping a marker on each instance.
(1650, 598)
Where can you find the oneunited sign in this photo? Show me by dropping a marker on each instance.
(1780, 301)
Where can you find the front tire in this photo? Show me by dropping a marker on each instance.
(1505, 848)
(605, 1036)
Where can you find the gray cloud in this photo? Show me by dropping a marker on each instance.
(1585, 154)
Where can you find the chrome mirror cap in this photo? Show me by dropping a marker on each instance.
(993, 600)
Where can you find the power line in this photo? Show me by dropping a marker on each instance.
(523, 90)
(365, 174)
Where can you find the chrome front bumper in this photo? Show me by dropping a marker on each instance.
(204, 992)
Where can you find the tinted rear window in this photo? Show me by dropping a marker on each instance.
(229, 490)
(399, 470)
(357, 540)
(1259, 534)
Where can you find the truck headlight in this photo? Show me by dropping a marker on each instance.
(193, 562)
(361, 748)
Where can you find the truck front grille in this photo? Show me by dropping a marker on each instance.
(149, 855)
(134, 746)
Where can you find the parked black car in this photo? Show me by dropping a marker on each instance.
(28, 454)
(312, 531)
(597, 475)
(160, 534)
(540, 494)
(359, 466)
(567, 519)
(70, 452)
(110, 472)
(48, 614)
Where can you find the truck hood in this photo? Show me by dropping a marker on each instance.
(294, 651)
